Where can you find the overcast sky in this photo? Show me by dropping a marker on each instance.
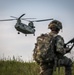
(19, 45)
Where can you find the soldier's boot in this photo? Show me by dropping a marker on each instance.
(68, 71)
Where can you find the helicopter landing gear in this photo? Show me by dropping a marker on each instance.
(25, 34)
(34, 34)
(18, 32)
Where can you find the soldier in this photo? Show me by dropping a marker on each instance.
(60, 51)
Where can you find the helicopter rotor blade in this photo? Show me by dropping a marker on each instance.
(8, 20)
(21, 16)
(42, 20)
(28, 18)
(37, 20)
(14, 17)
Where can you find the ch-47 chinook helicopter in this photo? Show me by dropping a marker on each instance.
(24, 28)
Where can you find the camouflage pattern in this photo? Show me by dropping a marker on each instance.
(55, 24)
(47, 68)
(43, 51)
(60, 45)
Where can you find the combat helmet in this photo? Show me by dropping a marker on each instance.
(55, 25)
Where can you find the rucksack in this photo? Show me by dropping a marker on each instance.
(44, 50)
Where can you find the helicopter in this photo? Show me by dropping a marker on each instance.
(24, 28)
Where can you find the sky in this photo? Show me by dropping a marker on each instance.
(21, 46)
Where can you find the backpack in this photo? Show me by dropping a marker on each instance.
(44, 50)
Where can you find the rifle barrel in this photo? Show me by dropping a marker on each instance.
(71, 41)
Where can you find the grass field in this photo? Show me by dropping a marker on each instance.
(13, 67)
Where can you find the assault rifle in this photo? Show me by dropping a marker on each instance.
(72, 42)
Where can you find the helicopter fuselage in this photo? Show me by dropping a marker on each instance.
(20, 27)
(24, 28)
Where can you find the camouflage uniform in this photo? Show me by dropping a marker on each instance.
(47, 68)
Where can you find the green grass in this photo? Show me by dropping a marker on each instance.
(18, 68)
(14, 67)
